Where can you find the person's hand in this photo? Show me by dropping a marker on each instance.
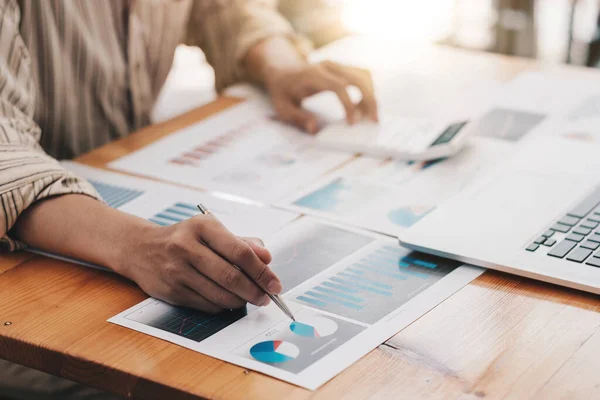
(190, 264)
(288, 87)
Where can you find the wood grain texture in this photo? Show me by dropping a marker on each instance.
(8, 261)
(500, 337)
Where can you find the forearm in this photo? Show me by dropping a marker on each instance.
(272, 56)
(81, 227)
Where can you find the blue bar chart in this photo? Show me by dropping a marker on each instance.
(115, 196)
(176, 213)
(315, 249)
(377, 283)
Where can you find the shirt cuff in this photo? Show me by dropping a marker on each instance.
(17, 200)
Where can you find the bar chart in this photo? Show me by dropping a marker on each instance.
(175, 213)
(115, 196)
(197, 156)
(377, 283)
(315, 248)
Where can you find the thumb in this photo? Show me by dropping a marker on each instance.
(259, 249)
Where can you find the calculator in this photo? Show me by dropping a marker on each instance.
(398, 137)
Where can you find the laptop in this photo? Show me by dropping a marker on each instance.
(537, 215)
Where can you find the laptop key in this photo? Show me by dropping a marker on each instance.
(540, 240)
(550, 242)
(582, 231)
(574, 237)
(570, 221)
(548, 233)
(579, 255)
(588, 244)
(586, 205)
(589, 224)
(595, 237)
(594, 262)
(562, 249)
(532, 247)
(594, 218)
(560, 228)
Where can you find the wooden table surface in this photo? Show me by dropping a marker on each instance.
(499, 337)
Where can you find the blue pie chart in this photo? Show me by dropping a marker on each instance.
(314, 327)
(274, 351)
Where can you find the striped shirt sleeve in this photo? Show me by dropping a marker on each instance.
(227, 29)
(27, 174)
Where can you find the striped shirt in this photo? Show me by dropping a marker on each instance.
(76, 74)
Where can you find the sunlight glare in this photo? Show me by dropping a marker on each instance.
(403, 20)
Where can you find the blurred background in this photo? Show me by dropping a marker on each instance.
(555, 31)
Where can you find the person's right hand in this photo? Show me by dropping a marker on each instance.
(191, 264)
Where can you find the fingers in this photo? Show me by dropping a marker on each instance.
(187, 297)
(228, 283)
(237, 252)
(258, 247)
(361, 78)
(330, 81)
(292, 113)
(212, 292)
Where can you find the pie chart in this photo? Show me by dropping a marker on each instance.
(274, 351)
(314, 327)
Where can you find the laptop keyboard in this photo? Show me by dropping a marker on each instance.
(576, 236)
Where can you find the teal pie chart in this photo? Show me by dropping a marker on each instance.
(274, 351)
(314, 327)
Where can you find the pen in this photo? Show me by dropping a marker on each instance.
(276, 299)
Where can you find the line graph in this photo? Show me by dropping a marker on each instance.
(190, 324)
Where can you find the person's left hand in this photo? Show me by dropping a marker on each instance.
(288, 87)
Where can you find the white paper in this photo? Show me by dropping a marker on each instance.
(241, 151)
(390, 196)
(414, 96)
(359, 290)
(581, 129)
(167, 204)
(533, 98)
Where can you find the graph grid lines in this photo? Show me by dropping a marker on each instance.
(191, 324)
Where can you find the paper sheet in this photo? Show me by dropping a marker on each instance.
(582, 129)
(390, 196)
(240, 151)
(414, 96)
(350, 291)
(533, 98)
(167, 204)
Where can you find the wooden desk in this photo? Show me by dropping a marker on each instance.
(499, 337)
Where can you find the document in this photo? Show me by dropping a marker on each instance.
(166, 204)
(534, 97)
(242, 151)
(349, 290)
(389, 196)
(413, 96)
(584, 129)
